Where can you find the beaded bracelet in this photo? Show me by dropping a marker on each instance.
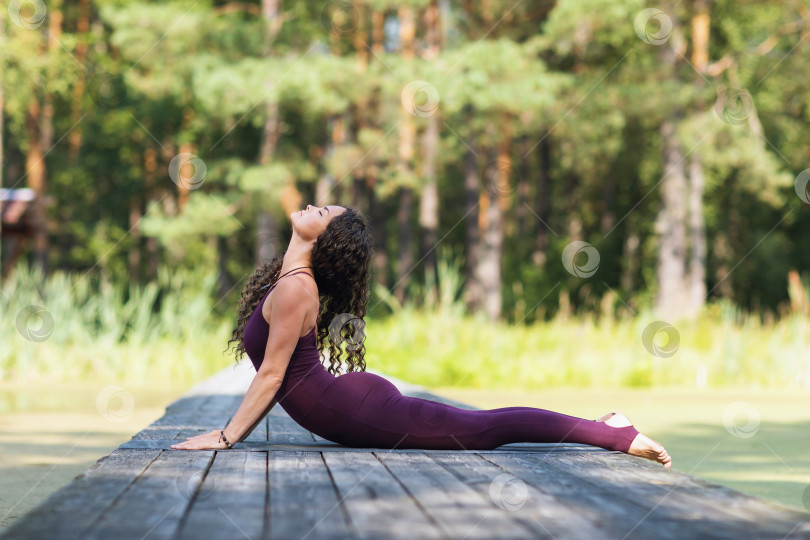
(222, 438)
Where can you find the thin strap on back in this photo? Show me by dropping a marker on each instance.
(301, 272)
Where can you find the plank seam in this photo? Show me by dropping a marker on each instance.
(424, 511)
(181, 523)
(346, 517)
(115, 501)
(535, 486)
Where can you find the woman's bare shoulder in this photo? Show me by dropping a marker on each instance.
(290, 293)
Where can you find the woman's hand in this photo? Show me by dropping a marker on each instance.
(205, 441)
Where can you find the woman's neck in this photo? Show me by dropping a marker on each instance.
(298, 254)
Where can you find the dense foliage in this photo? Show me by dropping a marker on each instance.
(669, 138)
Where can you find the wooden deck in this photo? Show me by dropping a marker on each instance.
(285, 482)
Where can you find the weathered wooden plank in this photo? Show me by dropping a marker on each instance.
(460, 511)
(178, 416)
(376, 503)
(155, 502)
(598, 505)
(231, 499)
(545, 515)
(259, 433)
(303, 501)
(69, 512)
(213, 414)
(285, 430)
(720, 511)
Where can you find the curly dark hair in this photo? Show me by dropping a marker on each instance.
(341, 263)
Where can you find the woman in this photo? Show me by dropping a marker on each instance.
(284, 329)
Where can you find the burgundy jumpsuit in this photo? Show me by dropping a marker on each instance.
(364, 410)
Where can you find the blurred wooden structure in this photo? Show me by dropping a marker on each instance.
(20, 219)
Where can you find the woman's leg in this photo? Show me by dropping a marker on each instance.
(387, 419)
(437, 424)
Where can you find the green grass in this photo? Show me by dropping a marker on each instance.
(174, 331)
(95, 329)
(440, 348)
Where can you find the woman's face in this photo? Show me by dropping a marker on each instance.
(312, 221)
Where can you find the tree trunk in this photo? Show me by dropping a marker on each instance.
(429, 202)
(338, 140)
(267, 242)
(542, 205)
(608, 199)
(378, 224)
(152, 246)
(134, 256)
(472, 183)
(324, 187)
(224, 282)
(671, 227)
(82, 27)
(359, 35)
(631, 259)
(266, 238)
(377, 31)
(35, 170)
(672, 296)
(697, 230)
(405, 258)
(523, 188)
(494, 206)
(407, 135)
(187, 171)
(491, 229)
(39, 128)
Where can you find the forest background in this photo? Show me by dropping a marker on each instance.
(601, 192)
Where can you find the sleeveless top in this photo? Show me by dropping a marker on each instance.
(306, 378)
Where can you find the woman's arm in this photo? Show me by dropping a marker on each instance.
(256, 423)
(253, 409)
(288, 314)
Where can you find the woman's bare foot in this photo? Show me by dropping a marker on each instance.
(642, 446)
